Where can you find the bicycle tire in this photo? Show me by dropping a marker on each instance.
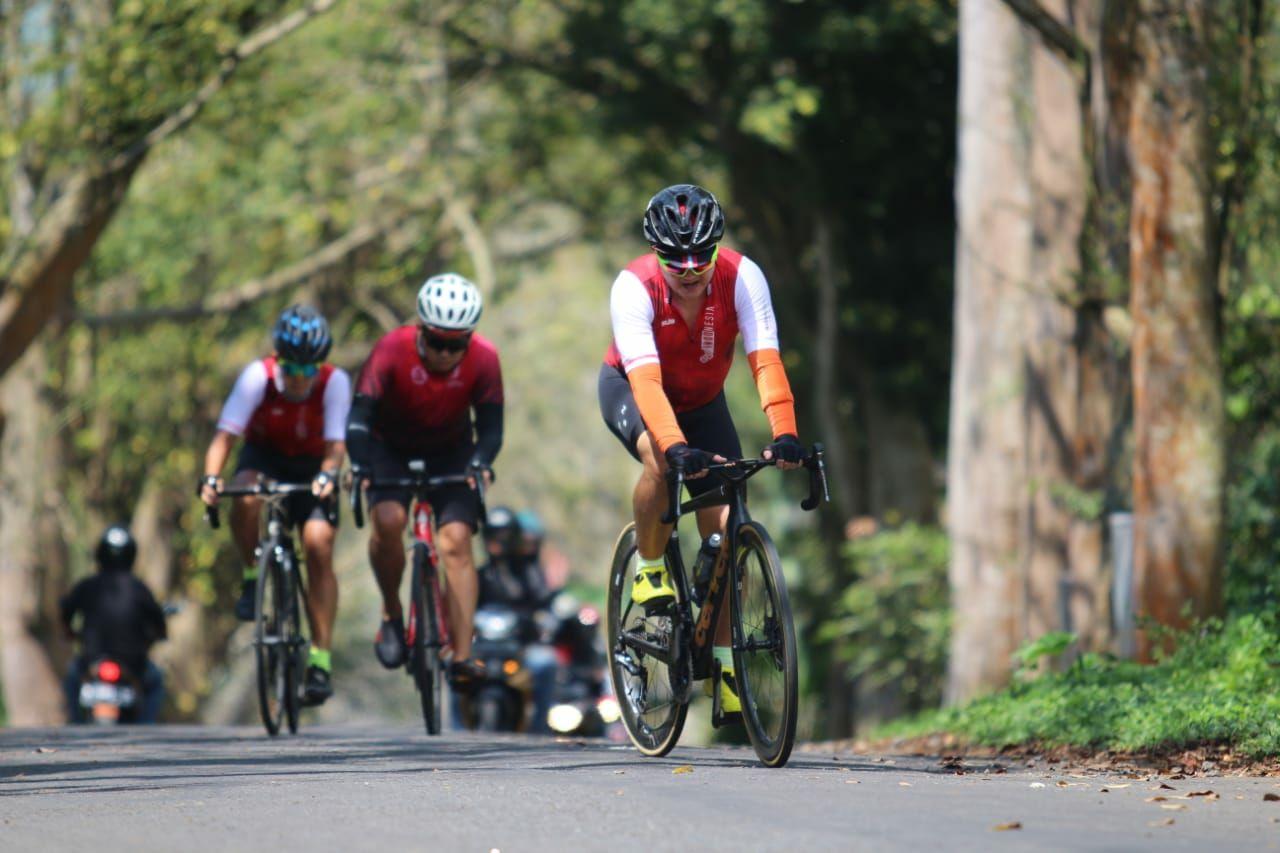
(770, 719)
(266, 640)
(424, 651)
(291, 641)
(651, 740)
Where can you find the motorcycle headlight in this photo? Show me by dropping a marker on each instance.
(494, 624)
(564, 718)
(609, 710)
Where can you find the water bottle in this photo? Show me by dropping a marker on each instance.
(702, 566)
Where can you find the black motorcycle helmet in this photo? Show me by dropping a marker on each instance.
(116, 549)
(503, 528)
(301, 335)
(683, 219)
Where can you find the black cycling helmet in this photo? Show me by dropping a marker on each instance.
(116, 549)
(301, 335)
(683, 219)
(502, 526)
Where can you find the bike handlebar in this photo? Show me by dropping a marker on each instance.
(813, 462)
(418, 484)
(269, 488)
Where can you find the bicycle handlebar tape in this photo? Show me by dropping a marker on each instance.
(817, 480)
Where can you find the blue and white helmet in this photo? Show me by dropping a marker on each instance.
(301, 335)
(449, 301)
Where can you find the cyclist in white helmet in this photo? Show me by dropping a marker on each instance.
(429, 391)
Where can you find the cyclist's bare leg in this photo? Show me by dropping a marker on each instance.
(649, 500)
(245, 512)
(453, 540)
(386, 553)
(322, 584)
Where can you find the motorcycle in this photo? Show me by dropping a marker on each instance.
(499, 702)
(583, 704)
(110, 693)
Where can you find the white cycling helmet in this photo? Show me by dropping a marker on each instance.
(449, 301)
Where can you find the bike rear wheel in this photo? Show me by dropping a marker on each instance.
(424, 641)
(765, 663)
(269, 649)
(652, 712)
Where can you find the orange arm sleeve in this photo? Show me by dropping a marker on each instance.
(655, 408)
(775, 391)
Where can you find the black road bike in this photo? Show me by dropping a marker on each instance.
(427, 629)
(278, 641)
(656, 654)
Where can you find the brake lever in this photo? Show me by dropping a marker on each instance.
(211, 516)
(818, 492)
(357, 500)
(674, 485)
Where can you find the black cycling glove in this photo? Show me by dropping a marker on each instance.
(689, 459)
(787, 448)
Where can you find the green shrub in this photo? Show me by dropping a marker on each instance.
(1253, 529)
(891, 624)
(1220, 685)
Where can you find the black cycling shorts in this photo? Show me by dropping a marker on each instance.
(302, 506)
(450, 503)
(708, 427)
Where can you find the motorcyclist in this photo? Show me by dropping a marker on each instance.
(511, 578)
(121, 620)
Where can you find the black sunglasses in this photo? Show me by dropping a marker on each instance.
(440, 343)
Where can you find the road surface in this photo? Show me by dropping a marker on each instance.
(188, 789)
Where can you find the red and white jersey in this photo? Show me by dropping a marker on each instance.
(258, 410)
(648, 329)
(422, 412)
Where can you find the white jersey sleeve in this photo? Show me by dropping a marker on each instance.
(631, 311)
(337, 404)
(755, 308)
(246, 395)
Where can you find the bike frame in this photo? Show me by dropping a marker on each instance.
(424, 534)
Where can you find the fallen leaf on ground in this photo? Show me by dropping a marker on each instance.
(1156, 799)
(1104, 790)
(683, 768)
(45, 749)
(1166, 822)
(1005, 827)
(904, 784)
(1037, 784)
(1173, 807)
(618, 772)
(852, 782)
(1270, 797)
(1208, 795)
(1121, 785)
(1163, 787)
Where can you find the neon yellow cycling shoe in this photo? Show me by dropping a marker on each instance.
(729, 703)
(652, 587)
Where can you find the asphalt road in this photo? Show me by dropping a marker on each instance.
(389, 789)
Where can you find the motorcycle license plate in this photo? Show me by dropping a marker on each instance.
(96, 692)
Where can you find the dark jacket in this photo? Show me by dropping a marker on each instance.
(121, 619)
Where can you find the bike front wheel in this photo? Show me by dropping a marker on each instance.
(642, 650)
(273, 655)
(424, 640)
(764, 654)
(291, 642)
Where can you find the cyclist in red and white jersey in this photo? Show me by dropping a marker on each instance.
(677, 312)
(415, 399)
(291, 408)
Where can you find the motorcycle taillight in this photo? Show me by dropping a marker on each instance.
(109, 671)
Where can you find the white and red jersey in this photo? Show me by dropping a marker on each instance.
(258, 410)
(648, 329)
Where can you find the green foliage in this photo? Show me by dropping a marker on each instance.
(1220, 685)
(891, 625)
(1253, 529)
(1048, 645)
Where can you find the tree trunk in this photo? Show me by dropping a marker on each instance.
(32, 563)
(1026, 550)
(1177, 375)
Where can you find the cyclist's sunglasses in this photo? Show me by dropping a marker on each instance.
(685, 266)
(444, 343)
(293, 369)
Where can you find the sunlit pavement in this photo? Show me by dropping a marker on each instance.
(363, 788)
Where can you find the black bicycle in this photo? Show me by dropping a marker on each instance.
(656, 654)
(427, 629)
(278, 641)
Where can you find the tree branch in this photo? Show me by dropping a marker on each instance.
(1055, 34)
(322, 260)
